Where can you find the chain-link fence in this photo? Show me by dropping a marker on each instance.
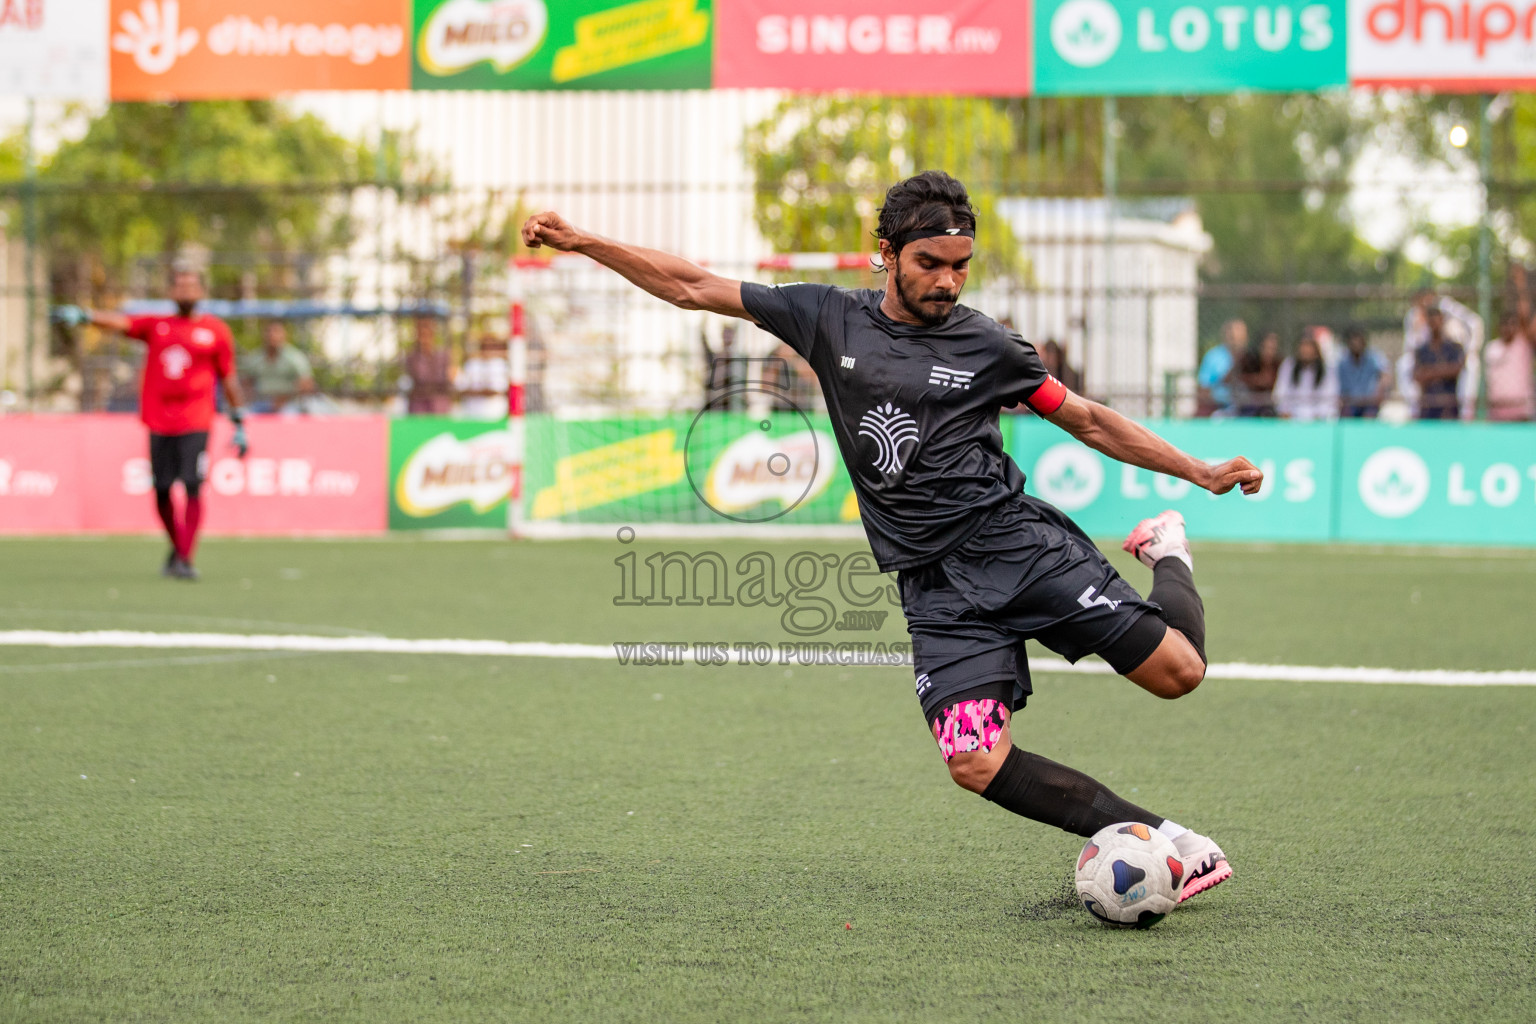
(1094, 243)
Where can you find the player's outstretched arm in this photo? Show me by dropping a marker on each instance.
(670, 278)
(1125, 440)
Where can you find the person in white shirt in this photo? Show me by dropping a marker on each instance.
(1306, 387)
(483, 380)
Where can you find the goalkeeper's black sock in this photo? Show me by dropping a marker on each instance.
(1173, 588)
(1042, 790)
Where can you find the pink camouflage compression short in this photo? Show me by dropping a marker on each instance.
(969, 725)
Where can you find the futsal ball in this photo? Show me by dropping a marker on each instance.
(1128, 876)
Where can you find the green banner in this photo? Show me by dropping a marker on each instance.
(1107, 498)
(1361, 481)
(561, 44)
(1100, 47)
(449, 474)
(1438, 483)
(715, 467)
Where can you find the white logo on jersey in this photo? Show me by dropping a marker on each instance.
(202, 336)
(944, 377)
(847, 362)
(1087, 600)
(890, 428)
(174, 362)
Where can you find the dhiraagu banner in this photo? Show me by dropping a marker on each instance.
(1438, 483)
(1107, 498)
(449, 474)
(1128, 47)
(562, 44)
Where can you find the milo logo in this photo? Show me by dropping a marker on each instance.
(462, 33)
(758, 468)
(447, 470)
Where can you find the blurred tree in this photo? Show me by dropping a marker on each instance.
(1269, 175)
(822, 164)
(150, 179)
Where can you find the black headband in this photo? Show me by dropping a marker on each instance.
(901, 238)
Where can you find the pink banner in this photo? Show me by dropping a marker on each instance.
(971, 47)
(71, 474)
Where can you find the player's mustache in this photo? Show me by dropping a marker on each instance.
(940, 297)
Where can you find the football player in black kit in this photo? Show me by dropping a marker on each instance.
(914, 384)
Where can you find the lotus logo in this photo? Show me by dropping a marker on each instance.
(1068, 476)
(1394, 482)
(1085, 33)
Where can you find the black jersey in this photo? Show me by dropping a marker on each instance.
(914, 408)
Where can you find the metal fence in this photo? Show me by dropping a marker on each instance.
(1132, 276)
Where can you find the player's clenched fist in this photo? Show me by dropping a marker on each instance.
(551, 229)
(1238, 472)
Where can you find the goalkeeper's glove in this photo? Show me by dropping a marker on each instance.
(241, 442)
(69, 316)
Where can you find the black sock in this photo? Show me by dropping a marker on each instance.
(1042, 790)
(1173, 587)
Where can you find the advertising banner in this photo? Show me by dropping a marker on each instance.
(967, 47)
(53, 49)
(1128, 47)
(1438, 483)
(561, 44)
(713, 468)
(210, 49)
(1481, 46)
(91, 473)
(450, 474)
(1107, 498)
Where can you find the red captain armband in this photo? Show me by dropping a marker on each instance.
(1048, 396)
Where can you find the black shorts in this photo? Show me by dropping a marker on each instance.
(1028, 572)
(181, 457)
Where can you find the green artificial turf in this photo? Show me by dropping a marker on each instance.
(217, 836)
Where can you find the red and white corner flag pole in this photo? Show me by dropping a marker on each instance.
(517, 407)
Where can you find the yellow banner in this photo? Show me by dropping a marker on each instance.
(611, 473)
(629, 34)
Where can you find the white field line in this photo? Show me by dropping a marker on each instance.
(785, 654)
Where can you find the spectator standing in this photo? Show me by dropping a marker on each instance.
(1437, 367)
(1363, 377)
(1458, 324)
(1305, 388)
(1253, 390)
(279, 375)
(483, 381)
(1214, 392)
(431, 374)
(1511, 388)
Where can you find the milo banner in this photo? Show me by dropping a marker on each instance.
(1136, 47)
(450, 474)
(562, 44)
(780, 468)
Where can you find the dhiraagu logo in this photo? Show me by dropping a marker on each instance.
(1085, 33)
(1068, 476)
(1394, 482)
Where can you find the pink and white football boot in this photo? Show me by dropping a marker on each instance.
(1160, 537)
(1205, 866)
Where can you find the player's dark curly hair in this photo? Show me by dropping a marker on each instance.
(931, 199)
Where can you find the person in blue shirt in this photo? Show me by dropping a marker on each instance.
(1437, 366)
(1363, 376)
(1215, 393)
